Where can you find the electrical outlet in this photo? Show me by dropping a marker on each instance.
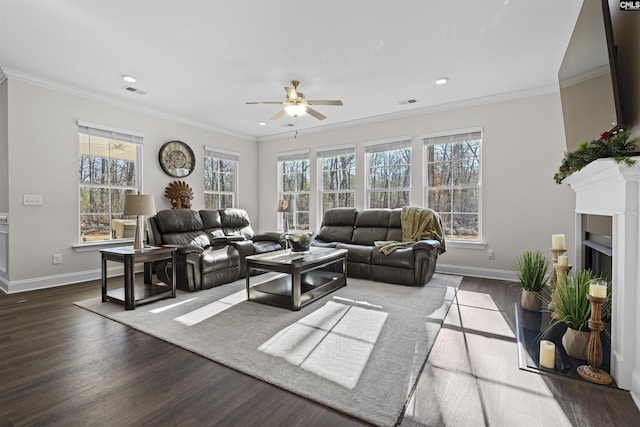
(56, 259)
(491, 254)
(32, 200)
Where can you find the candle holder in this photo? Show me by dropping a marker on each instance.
(558, 270)
(592, 372)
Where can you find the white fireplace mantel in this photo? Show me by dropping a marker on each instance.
(605, 187)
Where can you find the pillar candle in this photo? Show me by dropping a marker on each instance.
(547, 354)
(597, 290)
(563, 260)
(557, 241)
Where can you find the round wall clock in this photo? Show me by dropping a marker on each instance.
(176, 159)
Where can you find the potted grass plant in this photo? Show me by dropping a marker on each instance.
(571, 306)
(531, 268)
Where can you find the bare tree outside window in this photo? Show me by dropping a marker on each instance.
(338, 170)
(107, 171)
(453, 188)
(389, 180)
(295, 185)
(220, 177)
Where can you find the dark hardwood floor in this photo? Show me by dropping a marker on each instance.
(61, 365)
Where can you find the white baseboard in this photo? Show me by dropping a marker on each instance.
(15, 286)
(12, 287)
(485, 273)
(635, 387)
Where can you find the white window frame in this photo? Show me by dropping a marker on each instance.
(218, 154)
(392, 144)
(112, 134)
(450, 137)
(333, 152)
(285, 157)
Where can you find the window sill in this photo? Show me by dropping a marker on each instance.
(96, 246)
(476, 244)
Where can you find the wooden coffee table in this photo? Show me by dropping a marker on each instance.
(305, 276)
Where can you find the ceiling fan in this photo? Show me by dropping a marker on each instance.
(296, 104)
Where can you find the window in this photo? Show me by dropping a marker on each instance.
(108, 170)
(338, 177)
(389, 174)
(220, 179)
(453, 182)
(294, 182)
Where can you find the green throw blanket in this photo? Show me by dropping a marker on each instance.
(417, 224)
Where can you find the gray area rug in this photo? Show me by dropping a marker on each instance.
(359, 349)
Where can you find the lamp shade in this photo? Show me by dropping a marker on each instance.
(139, 204)
(285, 205)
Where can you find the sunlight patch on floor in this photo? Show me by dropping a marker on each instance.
(334, 342)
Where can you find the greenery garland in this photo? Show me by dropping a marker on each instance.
(616, 145)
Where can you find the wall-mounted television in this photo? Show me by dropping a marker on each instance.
(587, 77)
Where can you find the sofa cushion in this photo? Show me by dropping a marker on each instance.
(219, 259)
(394, 232)
(402, 258)
(371, 225)
(337, 225)
(178, 220)
(211, 218)
(235, 222)
(357, 253)
(198, 238)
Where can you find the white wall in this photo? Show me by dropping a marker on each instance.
(43, 151)
(4, 161)
(523, 144)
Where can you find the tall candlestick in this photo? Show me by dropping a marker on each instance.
(557, 241)
(592, 371)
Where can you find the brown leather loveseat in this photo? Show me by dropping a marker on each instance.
(357, 230)
(211, 245)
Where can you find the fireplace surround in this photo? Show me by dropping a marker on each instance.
(605, 188)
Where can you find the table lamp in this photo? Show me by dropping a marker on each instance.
(139, 205)
(284, 206)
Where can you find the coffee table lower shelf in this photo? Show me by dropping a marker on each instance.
(313, 284)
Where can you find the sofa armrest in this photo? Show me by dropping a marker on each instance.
(186, 249)
(270, 236)
(428, 245)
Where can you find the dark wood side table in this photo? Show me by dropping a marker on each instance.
(132, 295)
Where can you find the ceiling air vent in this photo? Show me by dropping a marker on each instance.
(288, 125)
(134, 90)
(408, 101)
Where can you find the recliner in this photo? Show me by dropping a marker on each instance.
(211, 245)
(357, 230)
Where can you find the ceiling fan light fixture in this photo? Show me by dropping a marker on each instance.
(295, 110)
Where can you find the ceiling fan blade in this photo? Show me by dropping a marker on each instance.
(316, 114)
(266, 102)
(278, 115)
(325, 102)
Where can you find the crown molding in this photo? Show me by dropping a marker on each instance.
(48, 84)
(456, 105)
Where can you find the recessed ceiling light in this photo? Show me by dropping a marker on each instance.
(262, 123)
(442, 80)
(129, 79)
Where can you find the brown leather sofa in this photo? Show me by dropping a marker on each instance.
(357, 230)
(212, 245)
